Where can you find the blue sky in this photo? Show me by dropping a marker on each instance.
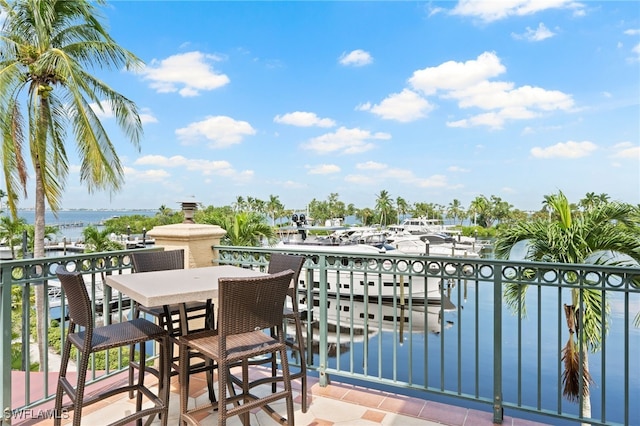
(431, 101)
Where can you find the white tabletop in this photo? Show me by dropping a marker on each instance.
(177, 285)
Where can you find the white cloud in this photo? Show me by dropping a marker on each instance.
(435, 181)
(205, 167)
(569, 149)
(323, 169)
(292, 184)
(539, 34)
(371, 165)
(632, 32)
(636, 51)
(152, 175)
(303, 119)
(405, 106)
(363, 107)
(453, 75)
(185, 73)
(104, 111)
(355, 58)
(627, 150)
(372, 175)
(221, 131)
(490, 11)
(403, 175)
(457, 169)
(491, 119)
(146, 116)
(360, 180)
(345, 141)
(468, 83)
(490, 96)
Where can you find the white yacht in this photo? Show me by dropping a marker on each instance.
(422, 225)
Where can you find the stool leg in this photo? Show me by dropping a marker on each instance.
(66, 353)
(79, 396)
(303, 361)
(141, 367)
(212, 394)
(184, 382)
(132, 348)
(164, 381)
(274, 364)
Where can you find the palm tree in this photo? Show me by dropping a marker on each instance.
(591, 199)
(384, 206)
(274, 207)
(245, 229)
(402, 207)
(455, 211)
(365, 215)
(595, 236)
(239, 204)
(319, 210)
(480, 208)
(47, 48)
(49, 233)
(98, 241)
(11, 232)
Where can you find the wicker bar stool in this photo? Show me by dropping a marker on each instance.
(279, 262)
(90, 339)
(247, 307)
(177, 319)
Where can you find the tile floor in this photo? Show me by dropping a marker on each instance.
(336, 404)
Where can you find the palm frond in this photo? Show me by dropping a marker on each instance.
(14, 166)
(514, 297)
(572, 381)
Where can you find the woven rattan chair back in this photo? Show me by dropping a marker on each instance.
(249, 304)
(246, 307)
(281, 262)
(80, 312)
(158, 260)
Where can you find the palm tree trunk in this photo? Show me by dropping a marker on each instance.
(38, 252)
(579, 368)
(585, 410)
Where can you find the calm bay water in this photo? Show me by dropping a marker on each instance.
(72, 222)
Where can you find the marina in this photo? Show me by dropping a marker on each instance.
(371, 337)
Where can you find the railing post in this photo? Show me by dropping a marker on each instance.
(498, 409)
(5, 345)
(323, 351)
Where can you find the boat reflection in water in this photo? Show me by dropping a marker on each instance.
(352, 322)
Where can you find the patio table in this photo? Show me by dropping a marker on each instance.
(162, 288)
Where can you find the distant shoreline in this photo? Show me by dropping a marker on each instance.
(88, 210)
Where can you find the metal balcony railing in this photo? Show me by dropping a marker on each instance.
(420, 324)
(414, 325)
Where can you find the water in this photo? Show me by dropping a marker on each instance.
(457, 338)
(72, 222)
